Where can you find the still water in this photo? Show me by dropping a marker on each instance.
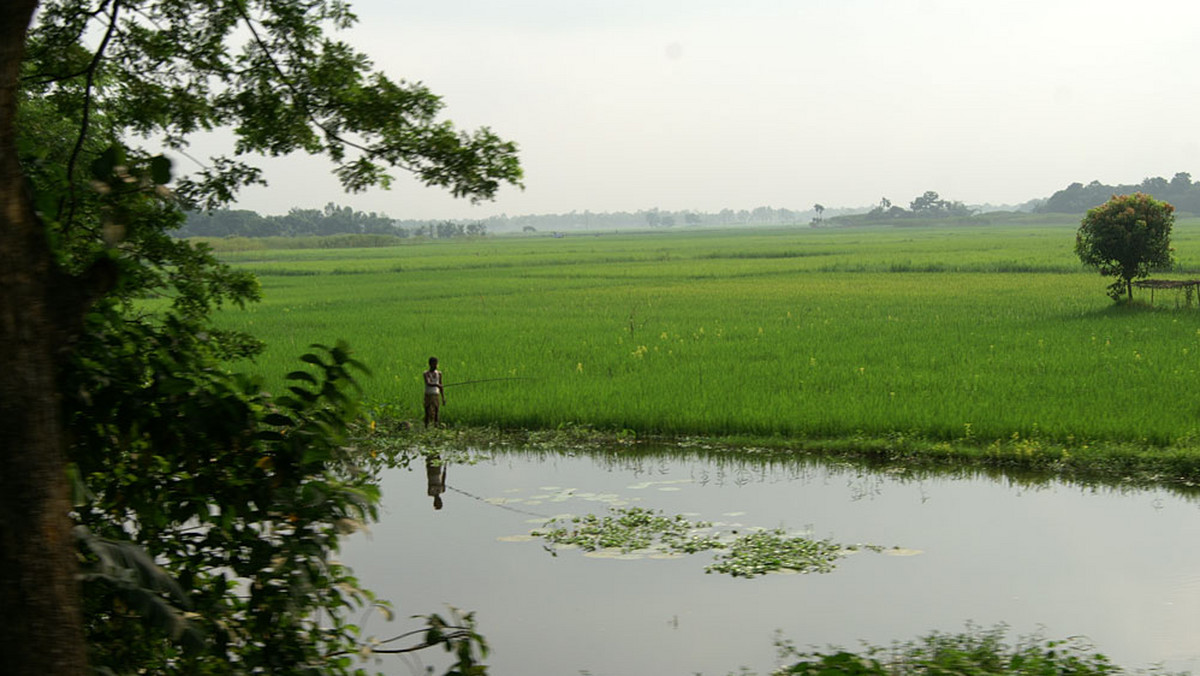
(1120, 567)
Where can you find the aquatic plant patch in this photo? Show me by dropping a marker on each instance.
(746, 555)
(630, 529)
(775, 550)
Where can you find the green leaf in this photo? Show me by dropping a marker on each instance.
(278, 420)
(160, 170)
(103, 166)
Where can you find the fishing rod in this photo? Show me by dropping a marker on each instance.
(485, 380)
(500, 505)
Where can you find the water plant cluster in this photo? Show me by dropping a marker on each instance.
(975, 651)
(747, 555)
(774, 550)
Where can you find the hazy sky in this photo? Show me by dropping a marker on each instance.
(621, 105)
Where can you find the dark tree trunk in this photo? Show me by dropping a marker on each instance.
(40, 624)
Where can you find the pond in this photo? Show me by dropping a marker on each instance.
(1118, 566)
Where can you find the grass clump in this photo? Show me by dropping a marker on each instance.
(974, 652)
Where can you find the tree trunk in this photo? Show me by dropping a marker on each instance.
(41, 628)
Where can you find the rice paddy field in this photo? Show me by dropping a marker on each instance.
(982, 332)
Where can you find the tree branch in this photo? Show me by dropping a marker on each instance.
(84, 121)
(329, 133)
(458, 633)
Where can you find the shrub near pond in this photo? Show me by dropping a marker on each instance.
(974, 652)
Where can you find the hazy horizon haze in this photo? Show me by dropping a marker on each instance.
(705, 105)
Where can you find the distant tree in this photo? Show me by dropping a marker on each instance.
(820, 209)
(886, 210)
(763, 215)
(926, 203)
(1155, 185)
(448, 229)
(932, 204)
(1127, 237)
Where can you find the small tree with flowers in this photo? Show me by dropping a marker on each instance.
(1127, 237)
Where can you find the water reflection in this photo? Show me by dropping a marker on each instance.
(435, 478)
(1114, 563)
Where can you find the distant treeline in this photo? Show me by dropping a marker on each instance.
(1180, 191)
(337, 220)
(332, 220)
(654, 218)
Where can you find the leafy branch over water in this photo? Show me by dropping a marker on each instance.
(634, 529)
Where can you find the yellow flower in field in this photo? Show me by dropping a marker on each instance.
(760, 330)
(663, 336)
(579, 367)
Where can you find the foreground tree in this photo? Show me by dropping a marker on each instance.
(1127, 237)
(204, 512)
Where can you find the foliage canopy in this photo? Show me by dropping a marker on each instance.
(1127, 237)
(205, 513)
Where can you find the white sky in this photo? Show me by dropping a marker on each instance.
(621, 105)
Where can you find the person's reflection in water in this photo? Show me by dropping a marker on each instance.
(435, 476)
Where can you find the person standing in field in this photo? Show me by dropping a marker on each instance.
(435, 394)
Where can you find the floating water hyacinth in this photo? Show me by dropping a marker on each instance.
(634, 532)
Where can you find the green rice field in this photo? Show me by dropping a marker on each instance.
(966, 332)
